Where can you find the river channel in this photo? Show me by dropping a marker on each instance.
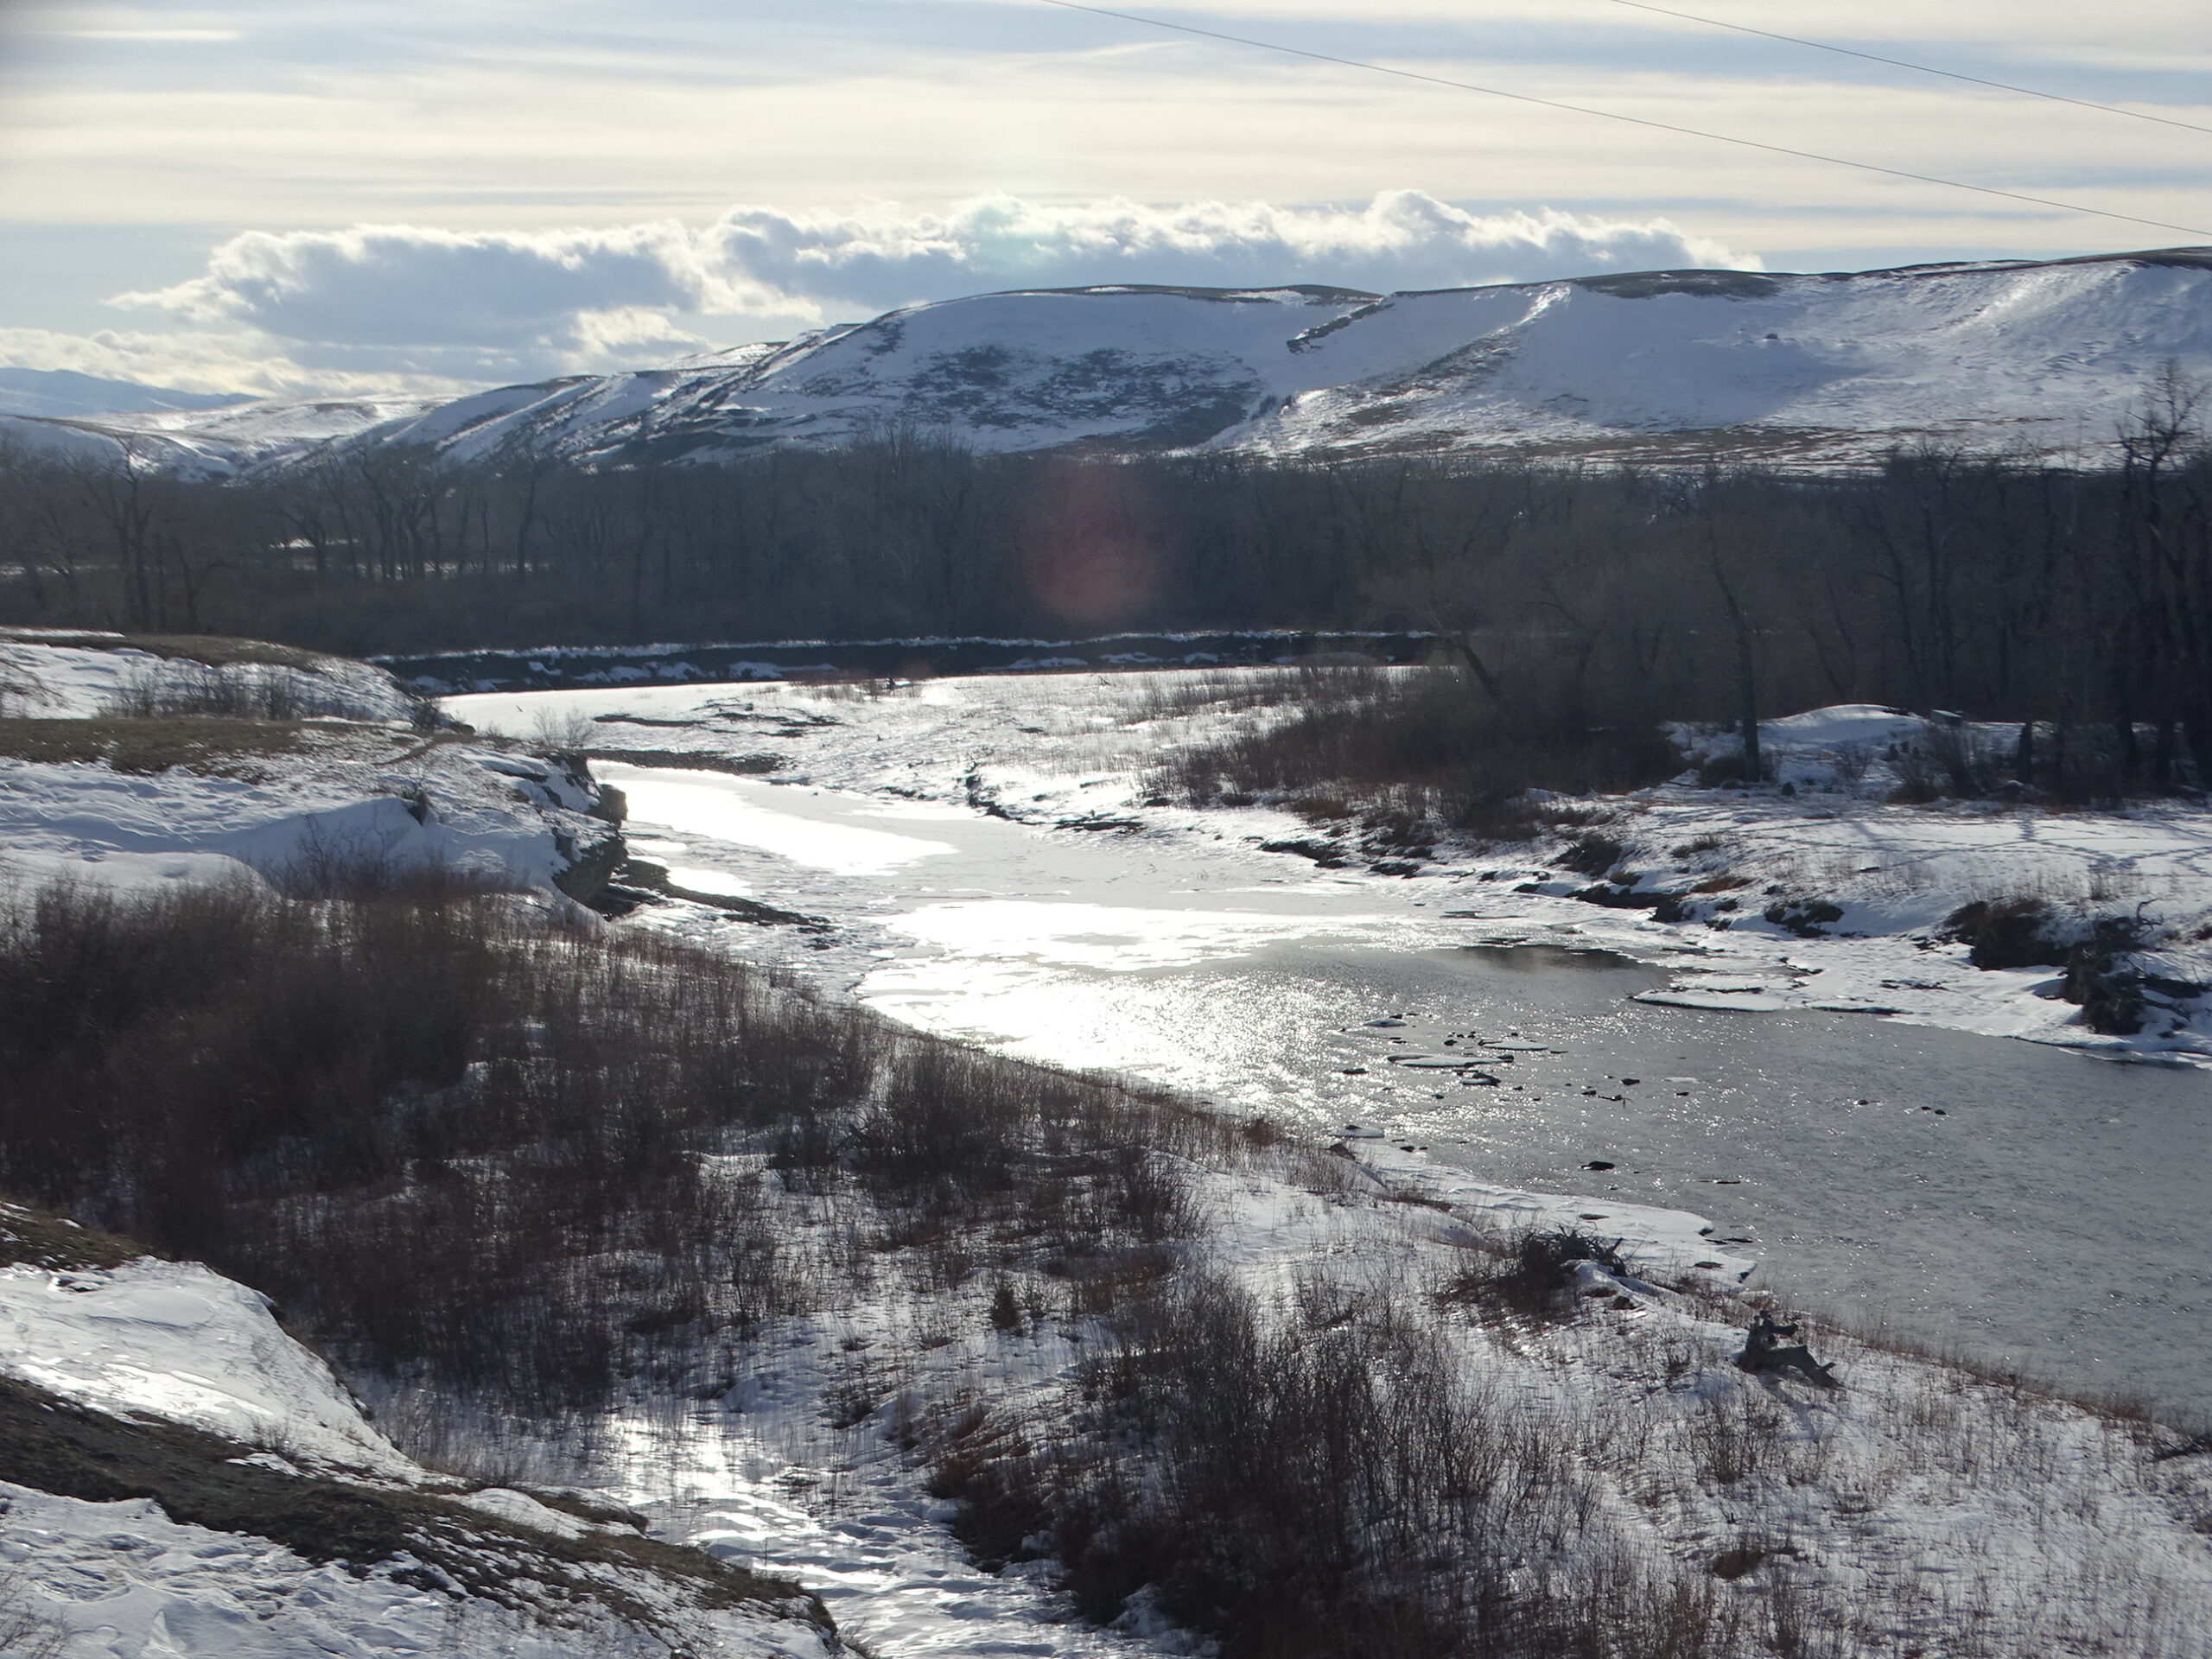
(2025, 1205)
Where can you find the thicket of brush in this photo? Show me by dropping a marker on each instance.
(240, 691)
(511, 1159)
(1322, 1481)
(1433, 744)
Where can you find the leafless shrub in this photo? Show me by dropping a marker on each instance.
(1325, 1174)
(19, 686)
(946, 1115)
(1732, 767)
(1214, 691)
(1591, 854)
(1316, 1481)
(1850, 762)
(559, 730)
(1424, 743)
(164, 690)
(26, 1633)
(2008, 932)
(1947, 758)
(1734, 1434)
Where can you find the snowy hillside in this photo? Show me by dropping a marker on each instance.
(64, 392)
(180, 1477)
(1809, 370)
(203, 444)
(127, 761)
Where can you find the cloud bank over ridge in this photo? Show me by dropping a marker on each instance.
(406, 305)
(1401, 239)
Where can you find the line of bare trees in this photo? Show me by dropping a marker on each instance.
(2003, 589)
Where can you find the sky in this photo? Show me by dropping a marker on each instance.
(396, 197)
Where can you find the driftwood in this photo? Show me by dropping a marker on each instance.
(1765, 1354)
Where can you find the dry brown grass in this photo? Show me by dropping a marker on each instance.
(216, 651)
(37, 1238)
(196, 743)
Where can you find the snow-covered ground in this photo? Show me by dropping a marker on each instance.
(356, 784)
(148, 1340)
(1948, 1515)
(1954, 1516)
(74, 674)
(175, 1340)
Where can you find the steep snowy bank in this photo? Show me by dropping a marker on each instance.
(175, 1340)
(272, 1519)
(95, 789)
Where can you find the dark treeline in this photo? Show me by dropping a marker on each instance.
(2001, 590)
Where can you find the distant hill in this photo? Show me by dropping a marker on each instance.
(1804, 371)
(63, 393)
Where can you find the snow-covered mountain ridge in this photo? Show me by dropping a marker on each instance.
(1809, 370)
(61, 393)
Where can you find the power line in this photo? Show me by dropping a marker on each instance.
(1632, 120)
(1919, 68)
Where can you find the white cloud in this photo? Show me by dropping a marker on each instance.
(459, 306)
(1401, 239)
(210, 360)
(149, 33)
(403, 286)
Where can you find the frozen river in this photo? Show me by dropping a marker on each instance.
(2024, 1204)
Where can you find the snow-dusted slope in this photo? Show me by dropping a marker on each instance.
(177, 1341)
(2046, 358)
(1814, 369)
(120, 1538)
(91, 798)
(64, 392)
(2041, 357)
(218, 443)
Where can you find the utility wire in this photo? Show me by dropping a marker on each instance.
(1918, 68)
(1632, 120)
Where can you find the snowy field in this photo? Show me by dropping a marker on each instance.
(1942, 1514)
